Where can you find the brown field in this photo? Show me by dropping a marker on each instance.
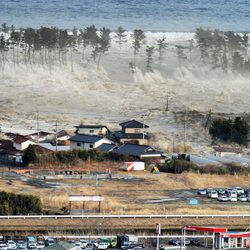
(125, 196)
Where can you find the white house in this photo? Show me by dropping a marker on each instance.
(22, 142)
(92, 130)
(87, 142)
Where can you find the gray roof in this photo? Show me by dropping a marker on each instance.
(120, 135)
(61, 245)
(85, 138)
(133, 124)
(90, 126)
(135, 150)
(106, 147)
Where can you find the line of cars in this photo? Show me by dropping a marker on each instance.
(227, 194)
(179, 242)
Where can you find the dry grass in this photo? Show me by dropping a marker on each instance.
(123, 196)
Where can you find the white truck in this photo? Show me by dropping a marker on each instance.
(134, 166)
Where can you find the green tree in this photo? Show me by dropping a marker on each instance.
(29, 155)
(121, 36)
(138, 36)
(149, 52)
(161, 47)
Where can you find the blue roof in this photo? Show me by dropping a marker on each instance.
(86, 138)
(135, 150)
(106, 147)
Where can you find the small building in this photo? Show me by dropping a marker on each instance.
(9, 153)
(62, 245)
(227, 151)
(22, 142)
(142, 152)
(86, 142)
(131, 131)
(100, 130)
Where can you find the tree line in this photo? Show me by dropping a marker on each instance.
(19, 204)
(50, 45)
(73, 156)
(229, 130)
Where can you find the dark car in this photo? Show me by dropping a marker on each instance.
(195, 242)
(174, 242)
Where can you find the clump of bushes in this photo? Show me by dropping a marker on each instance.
(179, 166)
(74, 156)
(228, 130)
(19, 204)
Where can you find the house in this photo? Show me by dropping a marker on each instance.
(86, 142)
(106, 147)
(142, 152)
(42, 136)
(131, 131)
(22, 142)
(100, 130)
(227, 151)
(9, 153)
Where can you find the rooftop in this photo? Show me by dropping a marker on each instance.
(133, 124)
(86, 138)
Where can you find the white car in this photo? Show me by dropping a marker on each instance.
(240, 190)
(223, 198)
(78, 245)
(233, 198)
(50, 241)
(214, 195)
(242, 198)
(11, 244)
(40, 244)
(103, 245)
(84, 243)
(3, 246)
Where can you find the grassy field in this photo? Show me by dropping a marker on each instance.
(137, 194)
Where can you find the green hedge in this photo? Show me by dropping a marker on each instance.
(19, 204)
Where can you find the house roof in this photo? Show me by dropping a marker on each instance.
(106, 147)
(136, 150)
(228, 150)
(41, 150)
(85, 138)
(62, 245)
(21, 139)
(133, 124)
(49, 146)
(120, 135)
(90, 126)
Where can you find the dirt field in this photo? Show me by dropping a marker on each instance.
(133, 193)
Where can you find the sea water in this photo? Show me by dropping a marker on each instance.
(150, 15)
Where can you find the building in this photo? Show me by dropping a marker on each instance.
(86, 142)
(131, 131)
(22, 142)
(9, 153)
(227, 151)
(142, 152)
(100, 130)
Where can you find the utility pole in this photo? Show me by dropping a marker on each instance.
(37, 126)
(184, 143)
(167, 104)
(56, 135)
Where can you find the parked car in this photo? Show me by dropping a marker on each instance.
(223, 198)
(232, 198)
(49, 242)
(11, 244)
(84, 243)
(202, 192)
(3, 246)
(221, 191)
(78, 245)
(195, 242)
(40, 244)
(214, 195)
(103, 245)
(239, 191)
(242, 198)
(174, 242)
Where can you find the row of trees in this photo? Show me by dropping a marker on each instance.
(73, 156)
(18, 204)
(229, 130)
(225, 50)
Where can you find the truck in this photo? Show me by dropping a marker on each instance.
(133, 166)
